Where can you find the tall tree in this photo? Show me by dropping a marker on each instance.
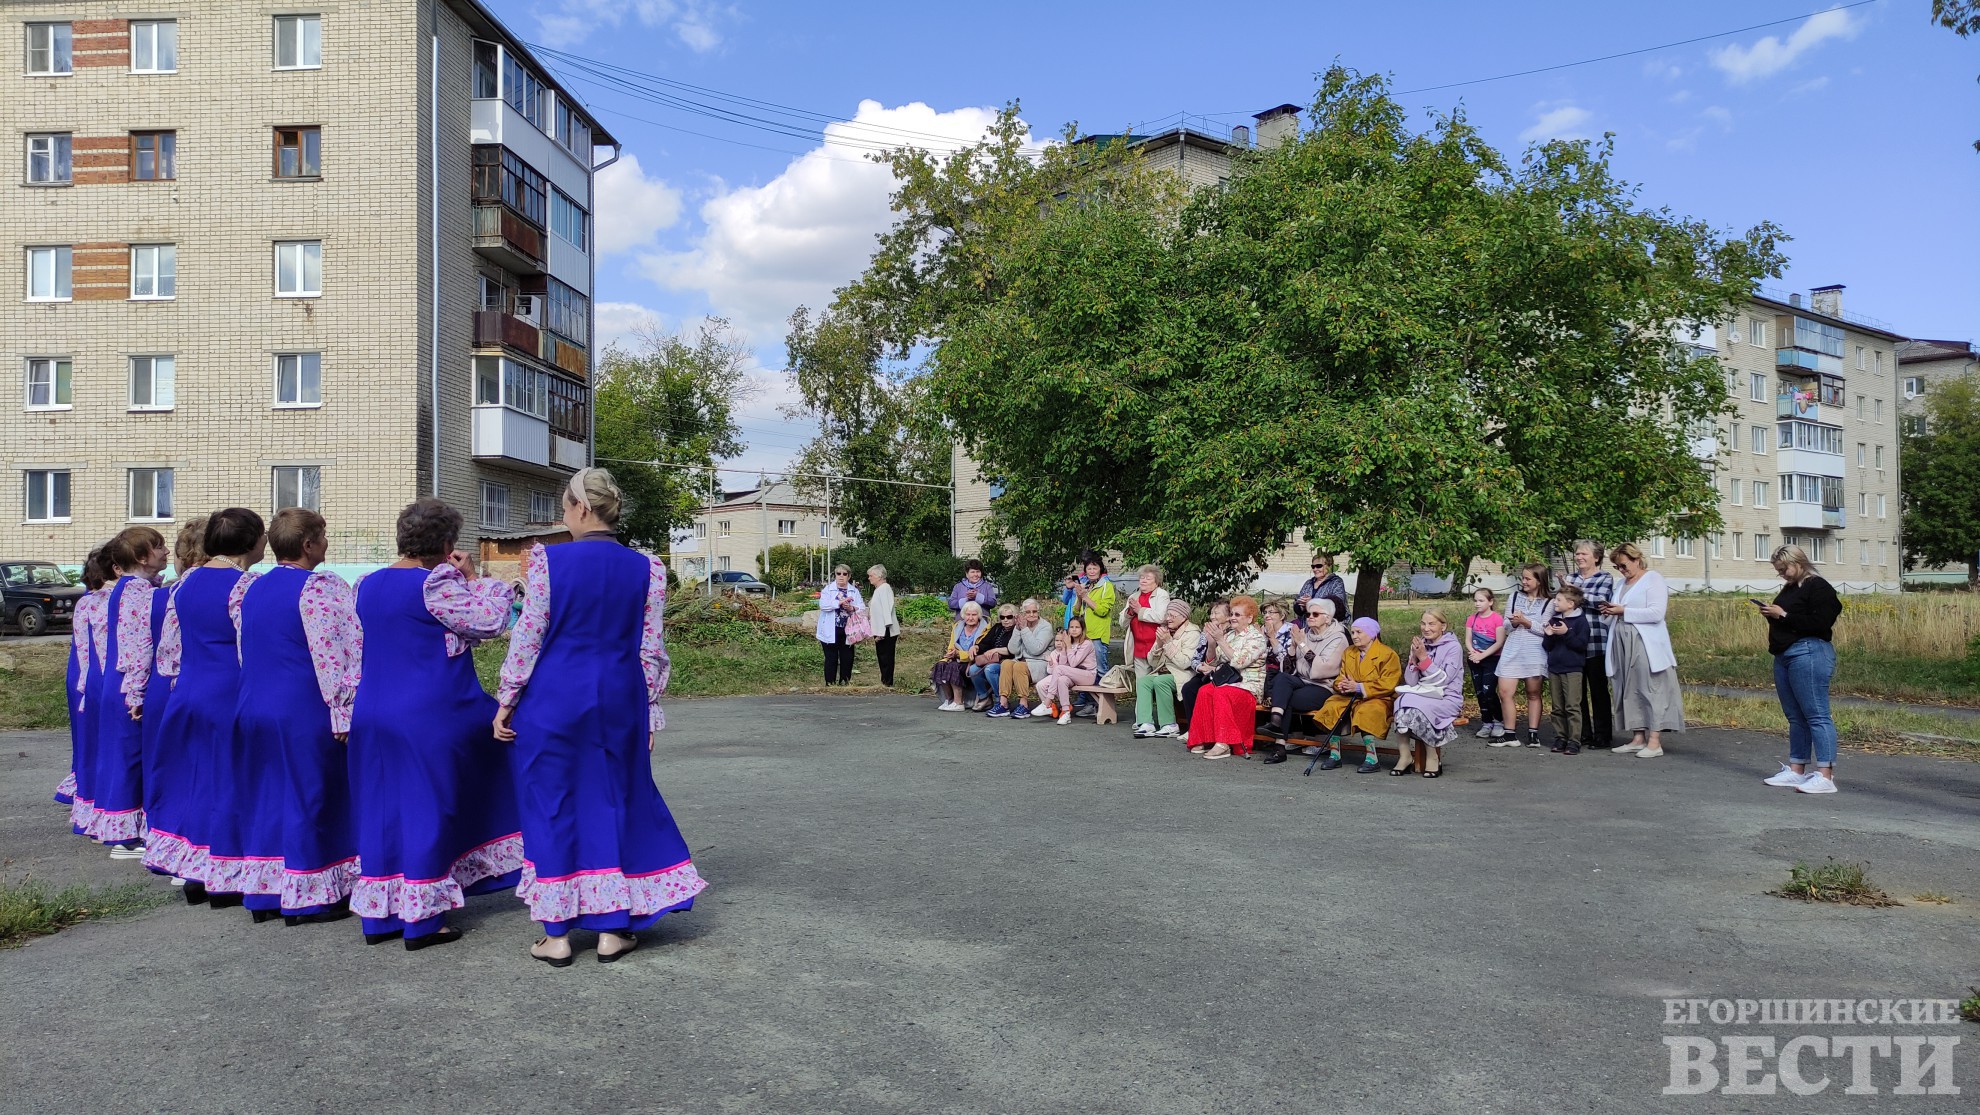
(1962, 18)
(1941, 494)
(672, 398)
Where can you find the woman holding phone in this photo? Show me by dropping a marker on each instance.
(1642, 666)
(1801, 626)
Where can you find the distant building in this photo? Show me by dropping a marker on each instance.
(736, 532)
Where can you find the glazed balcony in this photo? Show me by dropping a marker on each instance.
(507, 239)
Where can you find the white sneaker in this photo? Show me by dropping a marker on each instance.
(947, 706)
(1650, 753)
(1488, 729)
(1626, 748)
(178, 882)
(135, 851)
(1065, 718)
(1503, 740)
(1818, 783)
(1166, 730)
(1143, 731)
(1786, 777)
(1183, 739)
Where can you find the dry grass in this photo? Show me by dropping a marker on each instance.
(1876, 730)
(1844, 883)
(1897, 625)
(1934, 898)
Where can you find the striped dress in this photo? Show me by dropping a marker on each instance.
(1525, 656)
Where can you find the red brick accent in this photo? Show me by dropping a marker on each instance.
(101, 43)
(101, 272)
(101, 143)
(115, 176)
(83, 27)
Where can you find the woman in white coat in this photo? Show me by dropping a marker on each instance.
(886, 625)
(837, 603)
(1642, 666)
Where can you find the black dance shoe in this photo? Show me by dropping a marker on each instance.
(445, 935)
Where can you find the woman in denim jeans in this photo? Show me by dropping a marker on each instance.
(1801, 625)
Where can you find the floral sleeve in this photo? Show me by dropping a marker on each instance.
(234, 599)
(653, 645)
(134, 648)
(526, 640)
(336, 642)
(82, 622)
(170, 642)
(471, 611)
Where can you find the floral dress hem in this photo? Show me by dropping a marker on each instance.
(412, 900)
(608, 891)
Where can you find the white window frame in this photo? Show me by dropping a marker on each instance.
(299, 21)
(1877, 411)
(68, 62)
(1881, 506)
(1862, 453)
(302, 479)
(162, 272)
(1760, 434)
(154, 26)
(301, 265)
(1877, 359)
(151, 369)
(1877, 456)
(1861, 400)
(1732, 439)
(57, 270)
(569, 221)
(131, 491)
(1756, 387)
(494, 504)
(824, 528)
(701, 530)
(722, 529)
(1756, 333)
(45, 478)
(60, 371)
(1738, 492)
(1914, 386)
(725, 563)
(1684, 546)
(303, 369)
(543, 507)
(1763, 547)
(59, 158)
(1761, 494)
(1739, 541)
(786, 528)
(1862, 362)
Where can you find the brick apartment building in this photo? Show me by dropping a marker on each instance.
(271, 257)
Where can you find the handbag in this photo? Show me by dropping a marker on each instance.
(858, 627)
(1225, 674)
(1117, 677)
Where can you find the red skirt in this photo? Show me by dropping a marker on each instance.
(1226, 714)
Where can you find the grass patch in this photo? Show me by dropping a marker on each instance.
(32, 910)
(1844, 883)
(1878, 730)
(31, 679)
(1933, 898)
(1969, 1007)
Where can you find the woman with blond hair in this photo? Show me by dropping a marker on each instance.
(1642, 665)
(1801, 627)
(1224, 720)
(1524, 656)
(580, 700)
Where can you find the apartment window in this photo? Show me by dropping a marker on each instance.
(1860, 401)
(1877, 411)
(1914, 386)
(298, 152)
(153, 382)
(1880, 506)
(572, 131)
(487, 71)
(1732, 440)
(298, 486)
(47, 496)
(722, 531)
(150, 494)
(494, 296)
(725, 564)
(1912, 424)
(568, 313)
(567, 220)
(1863, 551)
(502, 175)
(298, 379)
(1756, 387)
(1684, 547)
(1877, 359)
(543, 507)
(824, 528)
(1738, 540)
(1760, 440)
(49, 49)
(1763, 547)
(1883, 553)
(1738, 492)
(154, 156)
(701, 530)
(1877, 454)
(1756, 332)
(787, 527)
(1863, 503)
(502, 382)
(525, 91)
(494, 504)
(154, 46)
(1813, 544)
(1761, 490)
(299, 269)
(1712, 545)
(298, 42)
(48, 274)
(1862, 361)
(570, 407)
(48, 159)
(49, 383)
(1657, 546)
(1862, 449)
(154, 271)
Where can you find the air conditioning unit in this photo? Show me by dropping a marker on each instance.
(529, 307)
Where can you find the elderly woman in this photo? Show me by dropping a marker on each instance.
(1030, 642)
(992, 651)
(1430, 697)
(951, 673)
(886, 623)
(836, 604)
(972, 588)
(1306, 681)
(1074, 661)
(1169, 657)
(434, 802)
(1801, 627)
(1325, 584)
(580, 700)
(1364, 694)
(1225, 718)
(1642, 666)
(1143, 617)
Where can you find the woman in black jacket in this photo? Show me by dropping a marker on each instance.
(1801, 624)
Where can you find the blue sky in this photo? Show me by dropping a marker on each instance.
(1851, 129)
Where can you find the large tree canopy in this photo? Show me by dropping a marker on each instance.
(1388, 338)
(1941, 495)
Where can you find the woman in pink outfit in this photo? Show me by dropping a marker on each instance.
(1072, 662)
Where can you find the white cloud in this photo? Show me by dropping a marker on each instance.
(1558, 121)
(631, 207)
(1773, 54)
(570, 22)
(1810, 86)
(621, 323)
(1719, 115)
(765, 250)
(1659, 68)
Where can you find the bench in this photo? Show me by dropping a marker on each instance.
(1108, 712)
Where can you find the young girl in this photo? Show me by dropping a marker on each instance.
(1485, 635)
(1072, 662)
(1524, 658)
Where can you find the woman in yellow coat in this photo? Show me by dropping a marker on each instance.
(1364, 696)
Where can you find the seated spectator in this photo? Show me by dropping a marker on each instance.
(1307, 680)
(1071, 663)
(973, 587)
(1030, 642)
(1278, 639)
(1226, 714)
(991, 654)
(1169, 658)
(1364, 693)
(1202, 663)
(1431, 695)
(951, 672)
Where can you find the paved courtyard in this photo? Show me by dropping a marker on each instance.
(921, 912)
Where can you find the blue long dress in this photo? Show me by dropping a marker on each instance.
(282, 713)
(164, 770)
(118, 784)
(435, 804)
(72, 674)
(197, 727)
(82, 728)
(602, 851)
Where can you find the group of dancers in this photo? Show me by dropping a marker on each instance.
(309, 750)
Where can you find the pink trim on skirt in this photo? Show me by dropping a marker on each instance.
(606, 891)
(396, 896)
(325, 886)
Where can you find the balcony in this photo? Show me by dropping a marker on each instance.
(1804, 407)
(507, 239)
(510, 435)
(1811, 462)
(1800, 362)
(562, 354)
(493, 327)
(1804, 516)
(566, 452)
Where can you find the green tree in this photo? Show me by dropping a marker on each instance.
(1941, 493)
(1962, 18)
(671, 399)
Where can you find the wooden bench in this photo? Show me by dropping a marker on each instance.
(1108, 712)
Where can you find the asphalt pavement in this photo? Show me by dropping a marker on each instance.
(914, 911)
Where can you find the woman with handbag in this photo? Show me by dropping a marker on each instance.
(838, 602)
(1225, 717)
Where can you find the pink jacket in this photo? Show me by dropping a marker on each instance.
(1078, 665)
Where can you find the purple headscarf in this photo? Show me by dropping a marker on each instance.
(1368, 627)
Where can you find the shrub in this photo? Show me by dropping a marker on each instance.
(910, 568)
(1834, 882)
(790, 565)
(922, 609)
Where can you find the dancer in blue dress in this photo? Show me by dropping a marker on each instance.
(435, 804)
(199, 655)
(299, 649)
(137, 556)
(165, 771)
(580, 701)
(81, 662)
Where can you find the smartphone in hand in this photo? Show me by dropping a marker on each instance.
(1756, 602)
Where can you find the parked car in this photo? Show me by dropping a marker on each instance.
(35, 597)
(735, 580)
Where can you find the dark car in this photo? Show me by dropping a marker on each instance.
(735, 580)
(35, 597)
